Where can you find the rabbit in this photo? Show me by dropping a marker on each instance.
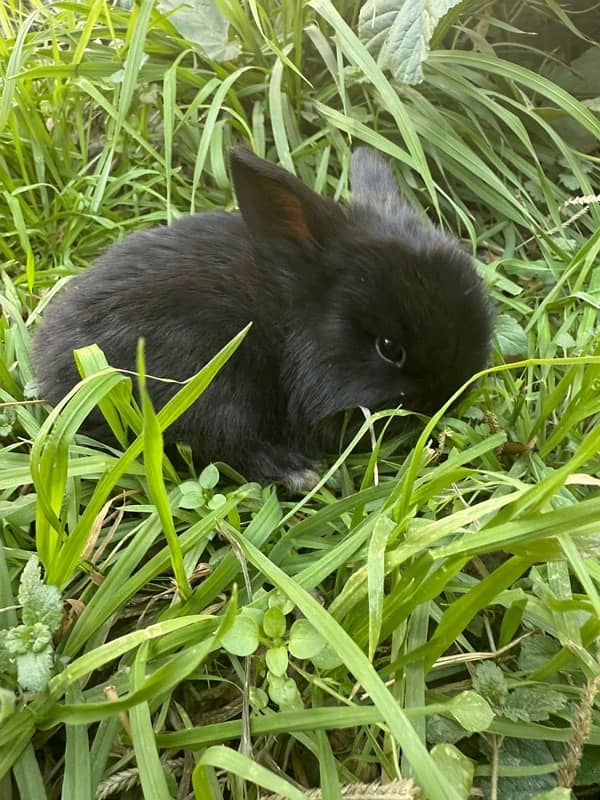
(367, 305)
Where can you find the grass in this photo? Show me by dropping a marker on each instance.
(451, 594)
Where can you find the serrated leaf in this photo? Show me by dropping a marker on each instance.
(398, 32)
(41, 602)
(7, 420)
(242, 638)
(532, 704)
(201, 23)
(277, 660)
(31, 580)
(489, 681)
(442, 729)
(456, 767)
(523, 753)
(512, 340)
(570, 182)
(472, 711)
(273, 623)
(34, 670)
(305, 641)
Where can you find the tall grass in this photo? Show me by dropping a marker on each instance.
(455, 586)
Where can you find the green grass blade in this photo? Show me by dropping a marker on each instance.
(153, 463)
(245, 768)
(152, 776)
(375, 578)
(27, 773)
(77, 776)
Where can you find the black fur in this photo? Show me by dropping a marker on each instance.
(319, 282)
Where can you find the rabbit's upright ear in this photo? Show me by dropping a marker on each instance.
(373, 184)
(275, 204)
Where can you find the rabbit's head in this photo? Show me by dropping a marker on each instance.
(387, 309)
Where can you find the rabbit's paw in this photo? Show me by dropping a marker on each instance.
(293, 470)
(302, 480)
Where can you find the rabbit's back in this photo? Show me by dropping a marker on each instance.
(187, 289)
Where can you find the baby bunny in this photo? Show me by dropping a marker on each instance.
(369, 305)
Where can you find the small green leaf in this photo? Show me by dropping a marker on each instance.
(305, 641)
(274, 623)
(28, 639)
(31, 647)
(472, 711)
(216, 501)
(327, 658)
(456, 767)
(278, 599)
(259, 699)
(277, 660)
(192, 495)
(242, 638)
(565, 340)
(209, 477)
(512, 340)
(282, 691)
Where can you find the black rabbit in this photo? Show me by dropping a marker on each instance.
(369, 305)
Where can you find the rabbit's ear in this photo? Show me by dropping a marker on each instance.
(373, 183)
(275, 204)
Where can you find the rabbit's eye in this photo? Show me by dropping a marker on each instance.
(390, 350)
